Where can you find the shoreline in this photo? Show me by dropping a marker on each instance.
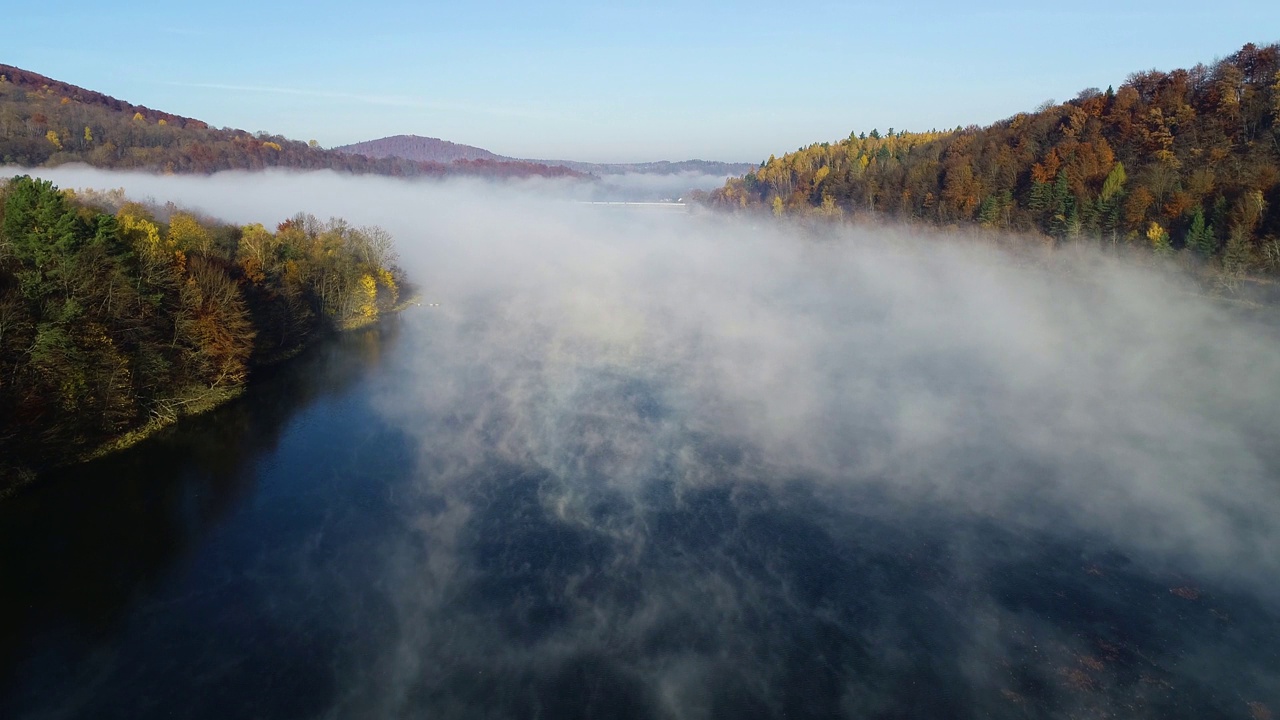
(185, 406)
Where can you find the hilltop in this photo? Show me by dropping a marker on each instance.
(46, 122)
(421, 149)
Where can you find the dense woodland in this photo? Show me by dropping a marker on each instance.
(44, 122)
(1184, 162)
(116, 315)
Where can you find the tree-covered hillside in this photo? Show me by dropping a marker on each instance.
(1187, 160)
(44, 122)
(114, 314)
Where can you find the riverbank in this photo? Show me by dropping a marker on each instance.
(167, 413)
(172, 411)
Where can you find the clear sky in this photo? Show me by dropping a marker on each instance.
(602, 81)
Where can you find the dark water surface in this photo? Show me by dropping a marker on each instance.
(299, 554)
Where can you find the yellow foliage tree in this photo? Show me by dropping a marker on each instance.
(389, 282)
(367, 297)
(1159, 238)
(186, 233)
(144, 233)
(256, 242)
(52, 137)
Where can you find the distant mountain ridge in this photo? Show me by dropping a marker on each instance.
(420, 149)
(47, 122)
(428, 149)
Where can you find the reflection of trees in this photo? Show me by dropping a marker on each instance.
(80, 546)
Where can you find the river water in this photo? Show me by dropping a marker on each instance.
(652, 490)
(283, 557)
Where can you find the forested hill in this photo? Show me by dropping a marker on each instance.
(116, 315)
(44, 122)
(1186, 161)
(414, 147)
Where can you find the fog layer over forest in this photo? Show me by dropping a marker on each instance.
(698, 465)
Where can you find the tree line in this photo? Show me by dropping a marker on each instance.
(1184, 162)
(44, 122)
(115, 315)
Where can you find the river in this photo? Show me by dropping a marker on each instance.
(283, 556)
(664, 465)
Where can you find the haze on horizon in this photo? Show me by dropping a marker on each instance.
(732, 82)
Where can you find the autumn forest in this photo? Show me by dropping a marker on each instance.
(117, 316)
(1183, 163)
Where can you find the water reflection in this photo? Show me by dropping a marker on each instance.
(82, 549)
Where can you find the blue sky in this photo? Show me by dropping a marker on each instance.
(615, 82)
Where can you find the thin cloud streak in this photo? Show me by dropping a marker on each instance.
(404, 101)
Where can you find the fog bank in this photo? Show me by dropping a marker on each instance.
(652, 425)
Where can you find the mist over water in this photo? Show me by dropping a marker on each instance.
(654, 464)
(653, 186)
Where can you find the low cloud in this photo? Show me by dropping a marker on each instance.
(652, 186)
(689, 465)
